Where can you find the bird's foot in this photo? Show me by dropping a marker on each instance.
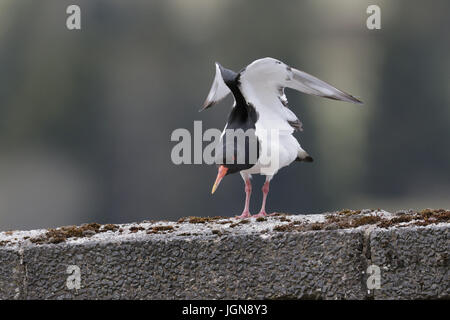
(260, 214)
(245, 214)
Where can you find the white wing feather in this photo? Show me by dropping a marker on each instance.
(274, 73)
(263, 83)
(218, 91)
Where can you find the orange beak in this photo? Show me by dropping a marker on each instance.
(222, 172)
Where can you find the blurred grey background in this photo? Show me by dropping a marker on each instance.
(86, 116)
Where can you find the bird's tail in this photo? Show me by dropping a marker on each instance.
(304, 156)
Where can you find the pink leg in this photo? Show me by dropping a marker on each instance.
(265, 190)
(248, 193)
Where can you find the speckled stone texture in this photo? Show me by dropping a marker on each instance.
(240, 262)
(414, 262)
(301, 265)
(11, 274)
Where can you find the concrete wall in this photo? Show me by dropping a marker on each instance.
(222, 259)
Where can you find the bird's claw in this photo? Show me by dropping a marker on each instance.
(244, 215)
(261, 214)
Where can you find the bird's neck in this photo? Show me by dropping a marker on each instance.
(234, 86)
(243, 115)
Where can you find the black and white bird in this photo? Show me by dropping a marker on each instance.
(261, 110)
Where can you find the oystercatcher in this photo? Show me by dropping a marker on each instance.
(257, 138)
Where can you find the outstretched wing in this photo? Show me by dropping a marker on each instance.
(263, 82)
(269, 72)
(218, 91)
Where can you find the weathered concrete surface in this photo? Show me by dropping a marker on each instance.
(220, 259)
(415, 262)
(285, 265)
(11, 274)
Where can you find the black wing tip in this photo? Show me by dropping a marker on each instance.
(344, 98)
(206, 106)
(356, 100)
(352, 99)
(349, 98)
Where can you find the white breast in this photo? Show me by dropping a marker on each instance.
(276, 151)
